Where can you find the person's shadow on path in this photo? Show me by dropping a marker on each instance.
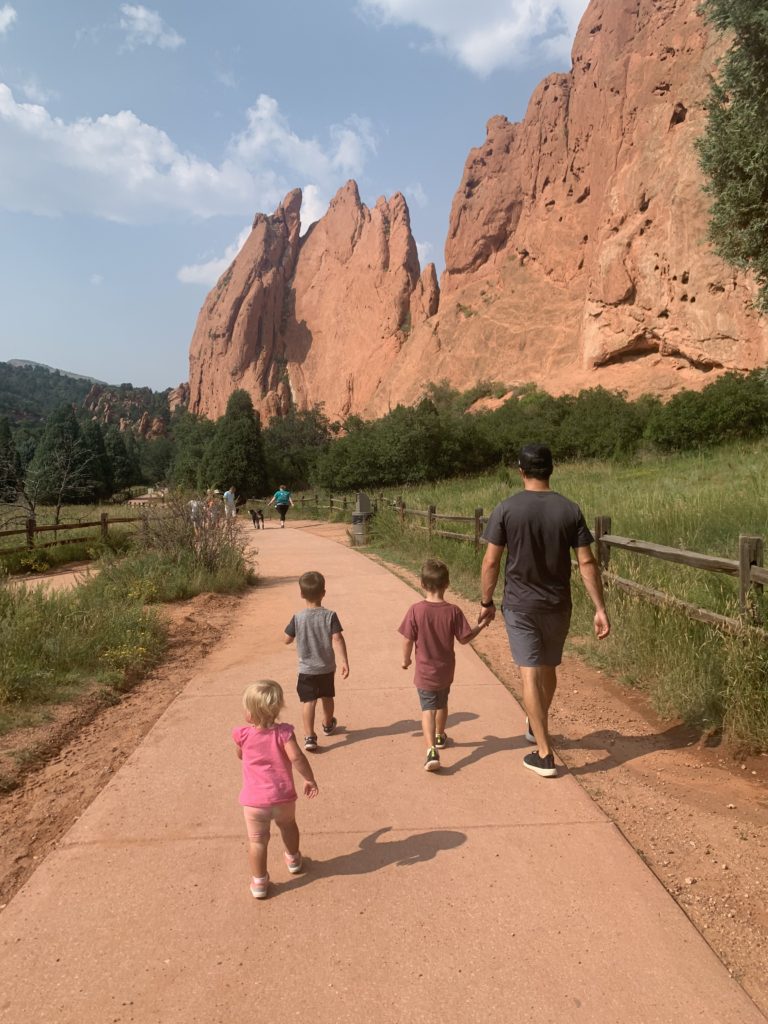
(486, 747)
(371, 855)
(344, 738)
(617, 748)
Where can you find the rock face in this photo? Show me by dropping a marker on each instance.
(317, 319)
(576, 253)
(140, 410)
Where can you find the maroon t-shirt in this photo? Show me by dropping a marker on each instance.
(433, 625)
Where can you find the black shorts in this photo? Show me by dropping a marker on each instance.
(315, 687)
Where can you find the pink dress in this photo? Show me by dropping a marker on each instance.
(267, 771)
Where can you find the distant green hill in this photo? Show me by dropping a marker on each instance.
(29, 392)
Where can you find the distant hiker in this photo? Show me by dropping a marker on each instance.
(230, 502)
(257, 518)
(432, 625)
(538, 527)
(282, 501)
(195, 509)
(318, 635)
(269, 752)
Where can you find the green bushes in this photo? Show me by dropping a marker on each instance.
(697, 501)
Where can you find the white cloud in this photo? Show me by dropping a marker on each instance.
(209, 271)
(487, 34)
(226, 78)
(119, 168)
(415, 194)
(313, 206)
(144, 27)
(35, 92)
(7, 18)
(424, 249)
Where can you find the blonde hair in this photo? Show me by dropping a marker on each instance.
(264, 701)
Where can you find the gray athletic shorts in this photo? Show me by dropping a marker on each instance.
(433, 700)
(537, 638)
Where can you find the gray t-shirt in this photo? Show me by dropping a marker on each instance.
(538, 528)
(313, 629)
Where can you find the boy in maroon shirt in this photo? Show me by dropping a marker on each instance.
(432, 625)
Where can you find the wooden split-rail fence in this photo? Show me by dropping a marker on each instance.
(748, 569)
(31, 531)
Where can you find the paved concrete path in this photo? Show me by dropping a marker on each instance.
(484, 893)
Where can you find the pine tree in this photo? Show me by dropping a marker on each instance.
(98, 476)
(235, 456)
(191, 437)
(10, 463)
(733, 152)
(58, 472)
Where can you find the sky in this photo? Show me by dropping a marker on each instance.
(137, 143)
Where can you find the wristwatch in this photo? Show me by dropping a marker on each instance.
(487, 604)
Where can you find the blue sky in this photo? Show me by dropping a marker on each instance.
(137, 142)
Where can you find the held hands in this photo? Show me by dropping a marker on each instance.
(310, 789)
(486, 616)
(602, 625)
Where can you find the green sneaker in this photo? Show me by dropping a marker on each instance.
(432, 763)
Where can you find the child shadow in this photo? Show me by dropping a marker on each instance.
(371, 855)
(405, 725)
(486, 747)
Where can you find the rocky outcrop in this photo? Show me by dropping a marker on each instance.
(576, 253)
(178, 398)
(314, 320)
(139, 410)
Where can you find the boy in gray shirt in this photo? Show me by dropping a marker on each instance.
(318, 635)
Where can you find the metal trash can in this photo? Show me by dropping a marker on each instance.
(361, 516)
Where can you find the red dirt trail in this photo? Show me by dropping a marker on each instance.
(482, 893)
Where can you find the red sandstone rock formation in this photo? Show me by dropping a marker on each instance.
(178, 397)
(576, 253)
(317, 319)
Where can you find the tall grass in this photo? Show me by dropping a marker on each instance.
(701, 502)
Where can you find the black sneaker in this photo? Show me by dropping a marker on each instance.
(310, 743)
(441, 740)
(432, 764)
(541, 765)
(529, 732)
(330, 729)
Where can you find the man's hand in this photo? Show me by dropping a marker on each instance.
(486, 616)
(602, 625)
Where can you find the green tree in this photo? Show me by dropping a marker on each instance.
(98, 476)
(734, 148)
(10, 464)
(293, 444)
(191, 437)
(123, 467)
(235, 456)
(58, 472)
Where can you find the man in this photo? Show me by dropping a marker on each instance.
(538, 527)
(230, 502)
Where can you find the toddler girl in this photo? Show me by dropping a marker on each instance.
(268, 750)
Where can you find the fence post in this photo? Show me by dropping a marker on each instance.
(317, 500)
(344, 503)
(602, 527)
(750, 553)
(330, 503)
(105, 526)
(401, 511)
(430, 521)
(478, 526)
(31, 532)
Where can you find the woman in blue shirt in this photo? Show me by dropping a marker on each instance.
(282, 501)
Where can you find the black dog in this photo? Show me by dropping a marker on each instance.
(257, 517)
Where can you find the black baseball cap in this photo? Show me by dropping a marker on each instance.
(535, 458)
